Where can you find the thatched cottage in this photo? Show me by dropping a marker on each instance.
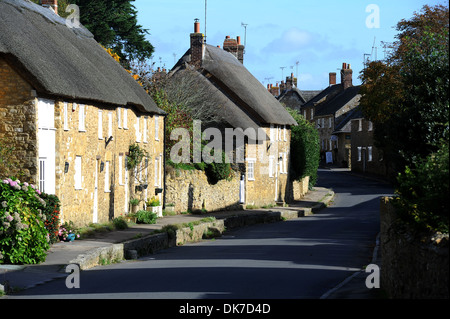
(71, 112)
(242, 104)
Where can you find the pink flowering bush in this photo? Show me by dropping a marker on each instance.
(24, 238)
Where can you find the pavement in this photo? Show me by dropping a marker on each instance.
(19, 277)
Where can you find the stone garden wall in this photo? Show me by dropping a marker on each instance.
(413, 268)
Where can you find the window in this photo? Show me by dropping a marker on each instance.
(312, 114)
(330, 122)
(369, 153)
(272, 133)
(157, 175)
(359, 153)
(157, 128)
(284, 163)
(251, 169)
(284, 133)
(66, 117)
(145, 129)
(360, 125)
(370, 126)
(125, 119)
(82, 118)
(110, 123)
(78, 171)
(138, 134)
(107, 182)
(100, 125)
(119, 117)
(120, 169)
(42, 162)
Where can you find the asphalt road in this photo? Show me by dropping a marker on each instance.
(297, 259)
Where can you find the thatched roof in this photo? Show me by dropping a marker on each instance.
(65, 62)
(242, 100)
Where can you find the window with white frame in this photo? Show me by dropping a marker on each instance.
(125, 119)
(78, 173)
(66, 116)
(370, 126)
(369, 153)
(120, 169)
(251, 169)
(82, 118)
(360, 125)
(107, 181)
(110, 124)
(157, 128)
(157, 179)
(272, 133)
(100, 125)
(119, 117)
(145, 129)
(359, 153)
(138, 133)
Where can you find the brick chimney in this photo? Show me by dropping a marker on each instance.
(197, 45)
(346, 76)
(291, 82)
(52, 4)
(230, 45)
(332, 78)
(240, 50)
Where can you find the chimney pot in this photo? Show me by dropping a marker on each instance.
(238, 40)
(196, 26)
(53, 4)
(332, 78)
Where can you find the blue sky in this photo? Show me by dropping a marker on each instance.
(320, 35)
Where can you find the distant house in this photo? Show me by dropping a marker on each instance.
(329, 111)
(243, 103)
(366, 157)
(291, 96)
(72, 112)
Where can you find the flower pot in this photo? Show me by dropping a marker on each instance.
(156, 209)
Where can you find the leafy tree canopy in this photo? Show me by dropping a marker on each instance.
(406, 95)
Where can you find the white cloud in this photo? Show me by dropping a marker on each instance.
(293, 39)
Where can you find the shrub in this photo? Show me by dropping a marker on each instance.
(120, 223)
(305, 149)
(422, 193)
(145, 217)
(51, 212)
(66, 229)
(24, 238)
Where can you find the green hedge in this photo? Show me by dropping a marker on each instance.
(305, 149)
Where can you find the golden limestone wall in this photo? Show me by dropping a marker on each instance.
(270, 161)
(18, 124)
(115, 184)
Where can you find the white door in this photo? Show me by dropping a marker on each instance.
(47, 146)
(95, 206)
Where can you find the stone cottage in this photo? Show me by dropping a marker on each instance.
(242, 104)
(329, 111)
(366, 157)
(72, 112)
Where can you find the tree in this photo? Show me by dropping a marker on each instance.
(406, 96)
(114, 25)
